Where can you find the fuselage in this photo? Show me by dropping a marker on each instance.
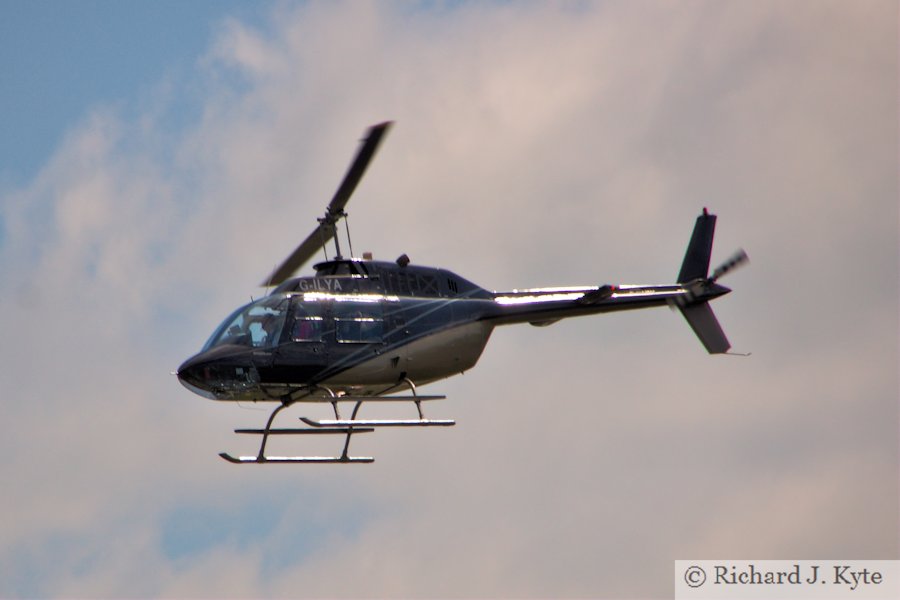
(362, 327)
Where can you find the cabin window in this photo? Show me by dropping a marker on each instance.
(358, 323)
(309, 321)
(308, 329)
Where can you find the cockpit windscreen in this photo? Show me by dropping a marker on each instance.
(257, 325)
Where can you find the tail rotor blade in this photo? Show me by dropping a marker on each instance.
(738, 259)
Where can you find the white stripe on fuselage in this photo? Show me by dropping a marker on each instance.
(562, 294)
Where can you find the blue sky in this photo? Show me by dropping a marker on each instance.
(158, 159)
(63, 59)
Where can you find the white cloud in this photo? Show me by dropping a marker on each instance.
(535, 145)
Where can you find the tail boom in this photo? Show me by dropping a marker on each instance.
(691, 295)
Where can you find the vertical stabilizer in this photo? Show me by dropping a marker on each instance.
(696, 259)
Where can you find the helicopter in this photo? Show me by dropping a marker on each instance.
(363, 331)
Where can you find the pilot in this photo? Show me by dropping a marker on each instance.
(268, 326)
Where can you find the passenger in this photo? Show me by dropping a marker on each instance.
(303, 330)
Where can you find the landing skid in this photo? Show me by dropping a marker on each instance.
(329, 425)
(347, 427)
(240, 460)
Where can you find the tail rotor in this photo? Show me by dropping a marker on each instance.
(738, 259)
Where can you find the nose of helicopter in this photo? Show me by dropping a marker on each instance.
(194, 374)
(222, 373)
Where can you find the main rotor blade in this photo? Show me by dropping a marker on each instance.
(335, 210)
(320, 236)
(358, 168)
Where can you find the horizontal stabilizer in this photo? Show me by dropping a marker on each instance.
(704, 323)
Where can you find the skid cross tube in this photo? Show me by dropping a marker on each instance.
(349, 429)
(265, 436)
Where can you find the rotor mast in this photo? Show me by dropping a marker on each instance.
(327, 222)
(332, 221)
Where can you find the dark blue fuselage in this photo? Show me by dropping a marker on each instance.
(361, 327)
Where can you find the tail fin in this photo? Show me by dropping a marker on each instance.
(695, 307)
(704, 323)
(696, 259)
